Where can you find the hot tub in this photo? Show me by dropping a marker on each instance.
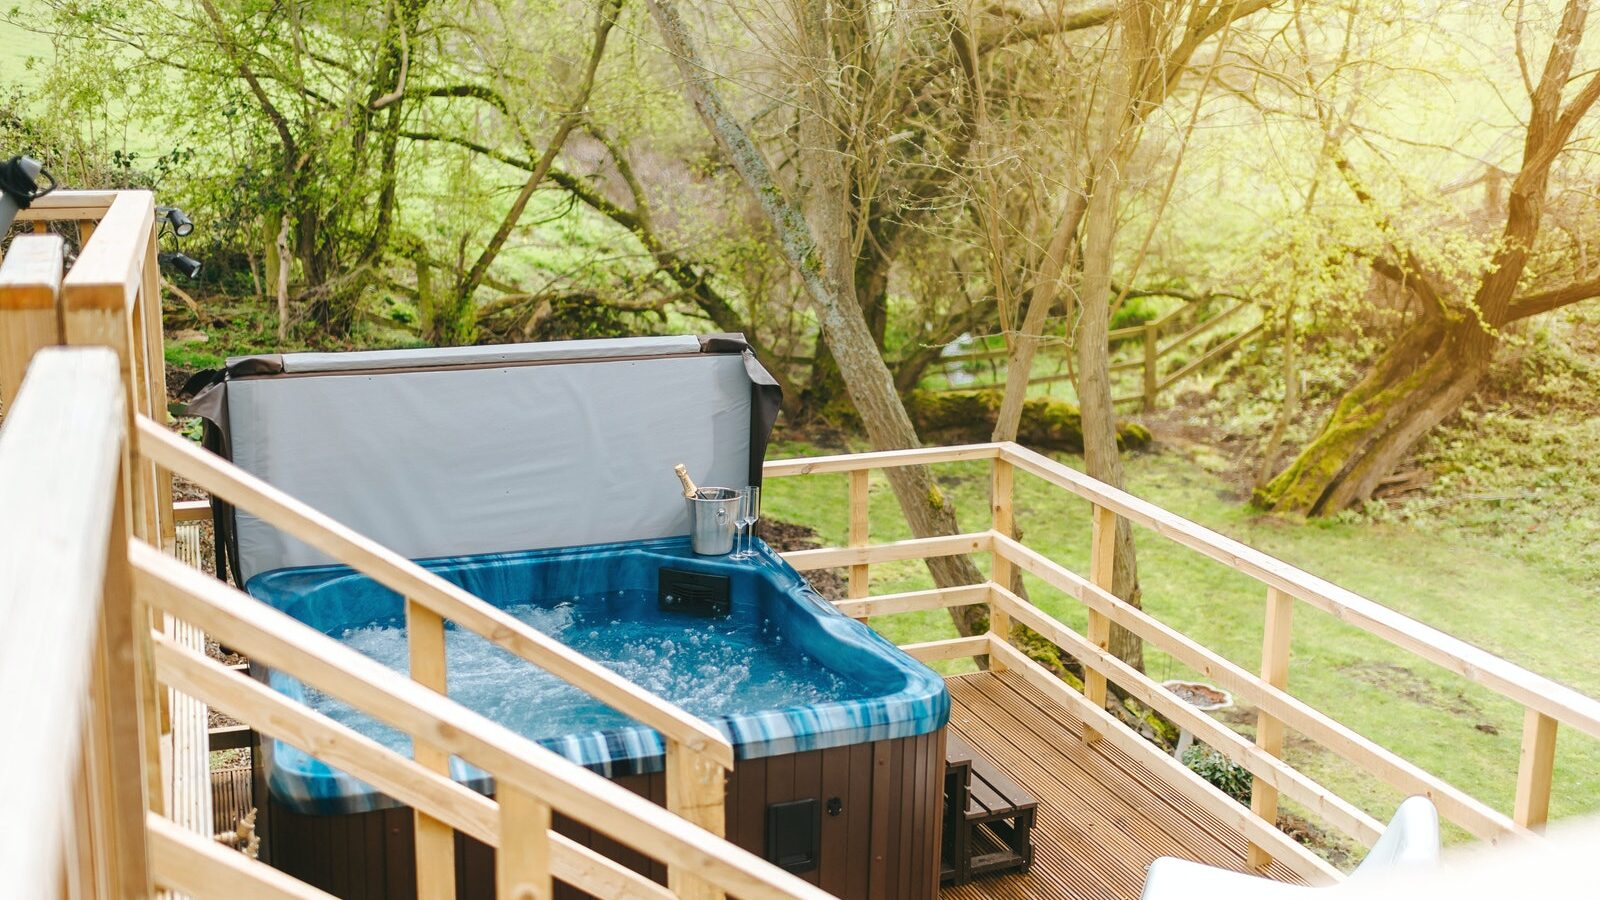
(838, 736)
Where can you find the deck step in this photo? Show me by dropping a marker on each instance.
(988, 826)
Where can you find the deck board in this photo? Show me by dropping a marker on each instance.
(1102, 816)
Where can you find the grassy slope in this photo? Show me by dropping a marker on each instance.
(1451, 727)
(17, 45)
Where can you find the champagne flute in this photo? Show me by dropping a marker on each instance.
(749, 514)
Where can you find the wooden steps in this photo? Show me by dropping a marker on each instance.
(988, 818)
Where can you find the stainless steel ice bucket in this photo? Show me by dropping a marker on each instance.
(713, 512)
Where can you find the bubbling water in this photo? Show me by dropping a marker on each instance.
(709, 667)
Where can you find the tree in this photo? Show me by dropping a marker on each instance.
(1436, 362)
(1151, 45)
(825, 275)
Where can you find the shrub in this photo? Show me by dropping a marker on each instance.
(1226, 776)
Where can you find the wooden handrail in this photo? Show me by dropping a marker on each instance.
(1534, 691)
(1280, 775)
(108, 271)
(1307, 864)
(410, 580)
(278, 640)
(462, 808)
(881, 459)
(1547, 702)
(60, 455)
(191, 511)
(68, 205)
(914, 548)
(30, 284)
(190, 864)
(1455, 804)
(914, 601)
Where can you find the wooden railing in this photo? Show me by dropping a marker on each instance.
(698, 756)
(1149, 336)
(1546, 703)
(86, 473)
(73, 823)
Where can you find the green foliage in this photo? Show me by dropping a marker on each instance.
(1135, 311)
(1224, 774)
(969, 416)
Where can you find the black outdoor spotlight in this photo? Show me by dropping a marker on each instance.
(176, 222)
(19, 187)
(187, 266)
(176, 219)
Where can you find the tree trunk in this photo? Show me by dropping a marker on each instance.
(1416, 385)
(866, 377)
(1110, 155)
(1024, 344)
(281, 276)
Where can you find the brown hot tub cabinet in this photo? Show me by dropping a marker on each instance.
(873, 812)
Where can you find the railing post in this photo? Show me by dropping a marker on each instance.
(121, 728)
(435, 841)
(1000, 490)
(101, 300)
(697, 791)
(860, 577)
(1102, 566)
(1269, 730)
(1152, 332)
(1535, 770)
(522, 861)
(30, 288)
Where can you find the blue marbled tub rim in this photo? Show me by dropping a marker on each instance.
(921, 705)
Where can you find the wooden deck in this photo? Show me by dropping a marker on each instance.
(1102, 816)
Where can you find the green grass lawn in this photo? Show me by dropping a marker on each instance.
(1464, 733)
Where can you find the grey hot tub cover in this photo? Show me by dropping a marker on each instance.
(455, 451)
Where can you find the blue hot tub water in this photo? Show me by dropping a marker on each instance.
(782, 673)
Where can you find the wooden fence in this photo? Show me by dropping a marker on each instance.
(1547, 704)
(1154, 378)
(101, 608)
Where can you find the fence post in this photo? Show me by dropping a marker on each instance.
(121, 728)
(1152, 331)
(101, 299)
(1000, 489)
(696, 791)
(1535, 770)
(30, 288)
(860, 578)
(1102, 565)
(1269, 730)
(522, 861)
(435, 841)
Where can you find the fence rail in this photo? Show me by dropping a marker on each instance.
(1153, 380)
(1546, 702)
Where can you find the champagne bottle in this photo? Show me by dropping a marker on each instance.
(688, 483)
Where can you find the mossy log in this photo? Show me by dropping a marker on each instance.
(969, 417)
